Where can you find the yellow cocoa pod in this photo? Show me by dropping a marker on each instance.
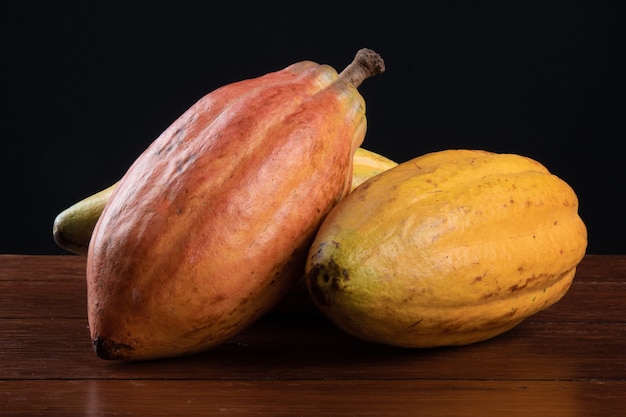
(366, 164)
(72, 227)
(449, 248)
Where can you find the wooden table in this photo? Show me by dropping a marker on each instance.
(568, 360)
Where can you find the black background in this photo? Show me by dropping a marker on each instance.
(89, 86)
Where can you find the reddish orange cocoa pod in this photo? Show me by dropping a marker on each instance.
(211, 225)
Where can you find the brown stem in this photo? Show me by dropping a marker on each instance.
(366, 63)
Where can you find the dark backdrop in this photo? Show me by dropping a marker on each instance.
(88, 87)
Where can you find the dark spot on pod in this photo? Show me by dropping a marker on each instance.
(110, 350)
(315, 289)
(324, 278)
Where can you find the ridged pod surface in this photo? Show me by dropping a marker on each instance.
(210, 226)
(449, 248)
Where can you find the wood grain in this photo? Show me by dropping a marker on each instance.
(390, 398)
(568, 360)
